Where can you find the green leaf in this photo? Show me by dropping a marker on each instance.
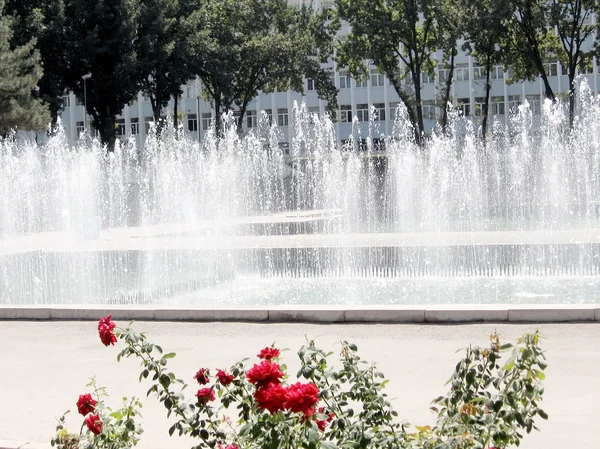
(170, 355)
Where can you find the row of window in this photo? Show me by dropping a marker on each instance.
(363, 112)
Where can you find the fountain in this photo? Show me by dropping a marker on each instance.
(239, 221)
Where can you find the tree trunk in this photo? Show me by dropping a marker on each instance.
(175, 102)
(108, 136)
(571, 95)
(486, 102)
(447, 91)
(420, 131)
(218, 124)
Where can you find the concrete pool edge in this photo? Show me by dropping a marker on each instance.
(455, 313)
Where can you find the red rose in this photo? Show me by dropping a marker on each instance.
(229, 446)
(93, 423)
(223, 377)
(202, 376)
(265, 373)
(105, 327)
(301, 397)
(86, 404)
(205, 395)
(268, 353)
(271, 398)
(322, 423)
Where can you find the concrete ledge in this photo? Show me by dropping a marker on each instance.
(459, 313)
(385, 314)
(33, 312)
(553, 313)
(465, 313)
(311, 314)
(211, 314)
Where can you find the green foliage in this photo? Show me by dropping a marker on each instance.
(20, 71)
(241, 47)
(100, 40)
(162, 51)
(119, 427)
(392, 34)
(529, 42)
(572, 19)
(489, 403)
(485, 25)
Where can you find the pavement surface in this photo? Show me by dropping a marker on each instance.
(44, 366)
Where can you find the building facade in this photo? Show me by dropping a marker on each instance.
(356, 99)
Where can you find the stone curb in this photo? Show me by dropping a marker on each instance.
(460, 313)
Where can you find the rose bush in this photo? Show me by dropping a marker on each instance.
(102, 428)
(489, 405)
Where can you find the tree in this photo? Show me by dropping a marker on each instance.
(101, 40)
(162, 53)
(20, 71)
(450, 23)
(242, 47)
(485, 25)
(574, 27)
(44, 21)
(392, 34)
(529, 42)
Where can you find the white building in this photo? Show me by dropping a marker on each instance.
(355, 99)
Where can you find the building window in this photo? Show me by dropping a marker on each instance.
(311, 84)
(344, 81)
(478, 104)
(192, 120)
(145, 97)
(135, 126)
(461, 72)
(497, 72)
(189, 92)
(346, 113)
(497, 105)
(443, 73)
(394, 110)
(464, 105)
(377, 79)
(147, 121)
(361, 82)
(251, 119)
(535, 104)
(379, 112)
(80, 128)
(120, 127)
(206, 121)
(284, 147)
(429, 110)
(362, 112)
(269, 114)
(78, 102)
(66, 101)
(551, 69)
(514, 101)
(282, 117)
(427, 78)
(478, 73)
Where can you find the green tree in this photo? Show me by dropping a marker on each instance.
(100, 40)
(242, 47)
(574, 27)
(162, 53)
(44, 21)
(529, 42)
(20, 71)
(450, 27)
(485, 25)
(399, 37)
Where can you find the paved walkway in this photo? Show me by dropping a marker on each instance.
(45, 366)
